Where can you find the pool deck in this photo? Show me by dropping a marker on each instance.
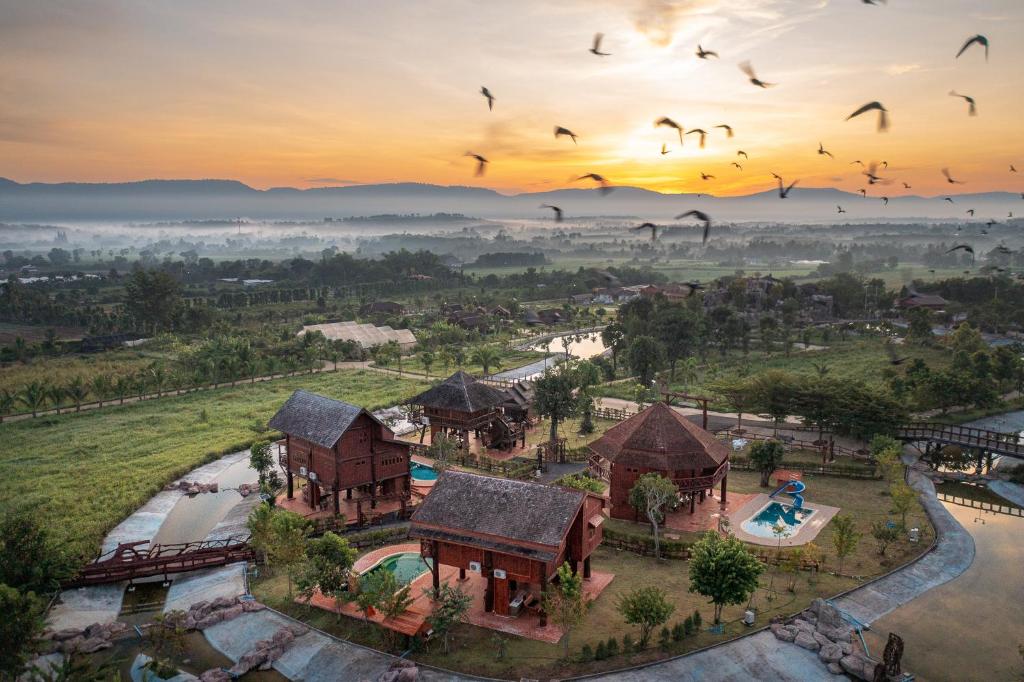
(808, 530)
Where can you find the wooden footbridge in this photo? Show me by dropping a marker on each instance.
(967, 437)
(134, 560)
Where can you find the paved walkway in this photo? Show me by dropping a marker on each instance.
(1014, 492)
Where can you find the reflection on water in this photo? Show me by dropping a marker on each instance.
(586, 346)
(192, 518)
(969, 628)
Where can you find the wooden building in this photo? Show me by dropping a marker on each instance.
(514, 533)
(460, 404)
(336, 446)
(663, 441)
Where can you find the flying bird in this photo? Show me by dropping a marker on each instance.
(949, 199)
(894, 359)
(963, 247)
(971, 211)
(906, 186)
(978, 39)
(560, 131)
(824, 152)
(596, 47)
(693, 286)
(972, 107)
(1012, 169)
(775, 175)
(666, 121)
(858, 161)
(839, 209)
(742, 153)
(746, 68)
(863, 193)
(885, 164)
(705, 176)
(557, 210)
(885, 201)
(737, 165)
(703, 135)
(699, 215)
(949, 178)
(883, 118)
(664, 149)
(481, 163)
(872, 174)
(490, 98)
(728, 129)
(599, 179)
(704, 54)
(784, 191)
(647, 226)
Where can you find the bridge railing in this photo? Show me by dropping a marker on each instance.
(968, 436)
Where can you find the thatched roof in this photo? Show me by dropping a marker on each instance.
(461, 393)
(515, 511)
(660, 438)
(315, 418)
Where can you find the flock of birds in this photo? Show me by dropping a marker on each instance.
(872, 171)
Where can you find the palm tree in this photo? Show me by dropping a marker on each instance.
(34, 396)
(688, 370)
(485, 356)
(78, 391)
(102, 387)
(273, 366)
(158, 378)
(122, 385)
(56, 395)
(7, 401)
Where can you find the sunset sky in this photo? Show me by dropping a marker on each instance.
(313, 93)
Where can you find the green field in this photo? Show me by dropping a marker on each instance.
(88, 471)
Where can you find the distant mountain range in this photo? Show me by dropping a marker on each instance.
(225, 199)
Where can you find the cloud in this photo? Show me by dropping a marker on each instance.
(657, 19)
(901, 69)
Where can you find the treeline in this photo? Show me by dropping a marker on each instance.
(509, 259)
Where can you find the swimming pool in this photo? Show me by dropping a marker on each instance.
(773, 514)
(421, 472)
(406, 566)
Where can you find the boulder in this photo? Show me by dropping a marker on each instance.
(408, 674)
(784, 633)
(96, 630)
(252, 605)
(215, 675)
(829, 615)
(835, 668)
(65, 634)
(70, 646)
(93, 644)
(210, 620)
(858, 666)
(847, 647)
(830, 653)
(231, 612)
(807, 641)
(222, 602)
(835, 634)
(803, 626)
(282, 637)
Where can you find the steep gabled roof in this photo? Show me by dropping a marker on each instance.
(660, 438)
(462, 393)
(516, 511)
(315, 418)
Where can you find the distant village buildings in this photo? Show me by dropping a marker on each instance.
(366, 335)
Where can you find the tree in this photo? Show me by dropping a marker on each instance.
(262, 460)
(738, 395)
(766, 455)
(723, 570)
(919, 325)
(774, 392)
(8, 399)
(647, 607)
(261, 535)
(427, 360)
(34, 396)
(553, 398)
(281, 536)
(903, 498)
(885, 533)
(486, 357)
(373, 588)
(77, 390)
(563, 602)
(614, 338)
(21, 624)
(845, 538)
(153, 299)
(650, 494)
(442, 449)
(646, 357)
(451, 604)
(30, 560)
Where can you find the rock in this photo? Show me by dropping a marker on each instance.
(96, 630)
(408, 674)
(231, 612)
(190, 622)
(65, 634)
(847, 647)
(858, 666)
(93, 644)
(209, 621)
(830, 653)
(807, 641)
(222, 603)
(836, 634)
(821, 639)
(70, 646)
(251, 605)
(298, 630)
(215, 675)
(829, 615)
(784, 633)
(193, 490)
(803, 626)
(835, 668)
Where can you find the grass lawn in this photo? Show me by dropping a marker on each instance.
(862, 359)
(61, 370)
(570, 430)
(474, 649)
(88, 471)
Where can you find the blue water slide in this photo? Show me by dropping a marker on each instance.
(792, 488)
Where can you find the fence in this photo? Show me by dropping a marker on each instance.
(839, 470)
(677, 549)
(799, 444)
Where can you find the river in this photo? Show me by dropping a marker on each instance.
(583, 347)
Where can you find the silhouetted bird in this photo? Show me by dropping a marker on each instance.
(490, 98)
(949, 178)
(839, 209)
(894, 359)
(972, 108)
(776, 175)
(1012, 169)
(885, 201)
(596, 47)
(742, 153)
(728, 129)
(481, 163)
(858, 162)
(703, 135)
(647, 226)
(978, 39)
(784, 191)
(693, 286)
(664, 149)
(883, 118)
(963, 247)
(824, 152)
(737, 165)
(872, 2)
(558, 211)
(666, 121)
(705, 176)
(699, 215)
(971, 211)
(863, 193)
(906, 186)
(991, 223)
(949, 199)
(872, 174)
(605, 185)
(704, 54)
(560, 131)
(746, 68)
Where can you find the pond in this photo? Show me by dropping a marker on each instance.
(583, 346)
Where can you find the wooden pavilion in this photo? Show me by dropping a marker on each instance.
(460, 404)
(337, 446)
(661, 440)
(514, 533)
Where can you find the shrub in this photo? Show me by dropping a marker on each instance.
(678, 631)
(688, 626)
(665, 637)
(586, 653)
(627, 644)
(696, 620)
(613, 646)
(601, 652)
